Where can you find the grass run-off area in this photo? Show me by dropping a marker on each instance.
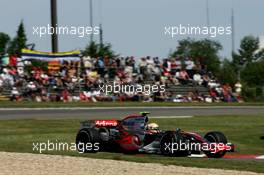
(27, 104)
(243, 131)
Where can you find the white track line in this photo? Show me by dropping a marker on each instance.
(260, 157)
(203, 155)
(136, 107)
(197, 155)
(158, 117)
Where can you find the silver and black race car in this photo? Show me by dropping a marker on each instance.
(134, 134)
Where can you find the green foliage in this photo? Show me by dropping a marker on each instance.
(38, 64)
(254, 94)
(19, 42)
(250, 62)
(4, 39)
(253, 73)
(249, 51)
(227, 73)
(249, 94)
(95, 50)
(205, 51)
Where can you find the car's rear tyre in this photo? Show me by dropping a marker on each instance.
(215, 137)
(87, 141)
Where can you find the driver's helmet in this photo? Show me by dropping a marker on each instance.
(153, 127)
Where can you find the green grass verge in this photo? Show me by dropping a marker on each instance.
(243, 131)
(9, 104)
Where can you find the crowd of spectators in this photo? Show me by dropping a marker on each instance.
(80, 80)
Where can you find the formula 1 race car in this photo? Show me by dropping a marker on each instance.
(133, 134)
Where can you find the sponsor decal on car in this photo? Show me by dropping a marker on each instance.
(106, 122)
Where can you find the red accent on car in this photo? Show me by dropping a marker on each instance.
(106, 123)
(137, 140)
(195, 135)
(130, 143)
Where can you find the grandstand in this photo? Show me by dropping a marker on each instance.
(78, 80)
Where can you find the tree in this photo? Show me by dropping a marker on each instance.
(204, 51)
(249, 51)
(95, 50)
(253, 73)
(19, 42)
(4, 39)
(248, 60)
(227, 73)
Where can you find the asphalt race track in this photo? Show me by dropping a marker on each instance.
(116, 112)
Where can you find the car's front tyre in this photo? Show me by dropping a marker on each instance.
(215, 137)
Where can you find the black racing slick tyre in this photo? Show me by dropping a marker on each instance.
(215, 137)
(87, 141)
